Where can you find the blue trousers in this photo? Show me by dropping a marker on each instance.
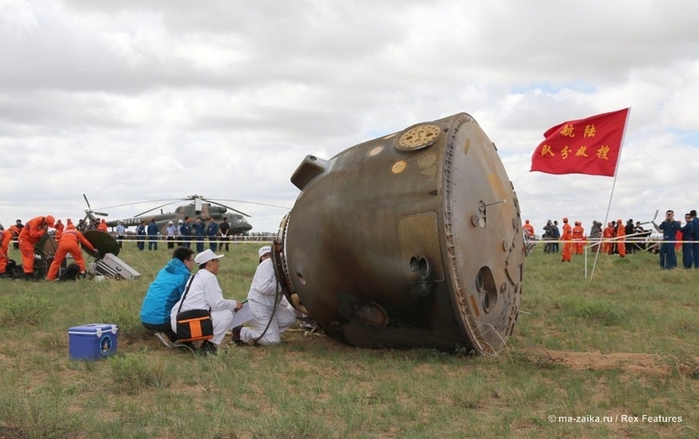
(687, 257)
(668, 259)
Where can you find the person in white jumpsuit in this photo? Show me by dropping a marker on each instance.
(205, 293)
(261, 300)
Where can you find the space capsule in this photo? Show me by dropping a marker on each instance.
(409, 240)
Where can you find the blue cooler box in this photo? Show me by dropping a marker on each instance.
(92, 341)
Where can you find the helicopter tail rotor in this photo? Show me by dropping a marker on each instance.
(653, 220)
(89, 213)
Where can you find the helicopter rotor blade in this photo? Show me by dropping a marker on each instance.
(259, 204)
(89, 213)
(154, 208)
(651, 221)
(195, 199)
(227, 207)
(143, 202)
(88, 203)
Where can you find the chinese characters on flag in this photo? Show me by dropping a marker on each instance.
(583, 146)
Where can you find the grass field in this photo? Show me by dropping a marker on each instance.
(615, 356)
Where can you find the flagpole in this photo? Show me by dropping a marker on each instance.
(611, 195)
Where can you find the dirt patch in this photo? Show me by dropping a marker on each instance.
(650, 365)
(644, 364)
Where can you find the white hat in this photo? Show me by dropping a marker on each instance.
(264, 250)
(206, 256)
(169, 222)
(180, 222)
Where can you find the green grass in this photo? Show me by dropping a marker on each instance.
(623, 343)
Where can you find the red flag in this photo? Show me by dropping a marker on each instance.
(583, 146)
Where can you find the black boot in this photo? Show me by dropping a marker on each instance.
(207, 348)
(236, 336)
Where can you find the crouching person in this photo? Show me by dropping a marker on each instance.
(164, 292)
(268, 321)
(205, 293)
(70, 242)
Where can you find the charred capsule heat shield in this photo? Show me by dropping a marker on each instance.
(410, 240)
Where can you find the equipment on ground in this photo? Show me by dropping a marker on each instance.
(112, 267)
(107, 263)
(103, 242)
(44, 251)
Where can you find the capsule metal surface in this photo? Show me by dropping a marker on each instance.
(409, 240)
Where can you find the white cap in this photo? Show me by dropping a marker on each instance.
(169, 222)
(206, 256)
(263, 251)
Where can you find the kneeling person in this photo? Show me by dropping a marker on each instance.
(205, 293)
(164, 292)
(261, 300)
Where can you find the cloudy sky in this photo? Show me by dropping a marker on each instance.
(145, 100)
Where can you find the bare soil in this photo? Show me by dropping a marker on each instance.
(643, 364)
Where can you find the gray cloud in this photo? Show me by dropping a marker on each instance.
(145, 100)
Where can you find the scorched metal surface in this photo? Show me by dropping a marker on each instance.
(409, 240)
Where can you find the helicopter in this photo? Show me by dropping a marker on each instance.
(199, 207)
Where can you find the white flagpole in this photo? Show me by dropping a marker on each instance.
(611, 195)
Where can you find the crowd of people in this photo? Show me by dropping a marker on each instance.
(28, 235)
(188, 231)
(619, 238)
(271, 313)
(674, 233)
(177, 289)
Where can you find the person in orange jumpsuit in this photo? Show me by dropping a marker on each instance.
(621, 232)
(579, 237)
(528, 229)
(102, 226)
(608, 233)
(30, 235)
(69, 243)
(59, 230)
(5, 238)
(566, 237)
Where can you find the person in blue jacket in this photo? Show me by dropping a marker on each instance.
(164, 292)
(687, 236)
(152, 231)
(141, 236)
(212, 234)
(200, 232)
(695, 238)
(669, 229)
(185, 232)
